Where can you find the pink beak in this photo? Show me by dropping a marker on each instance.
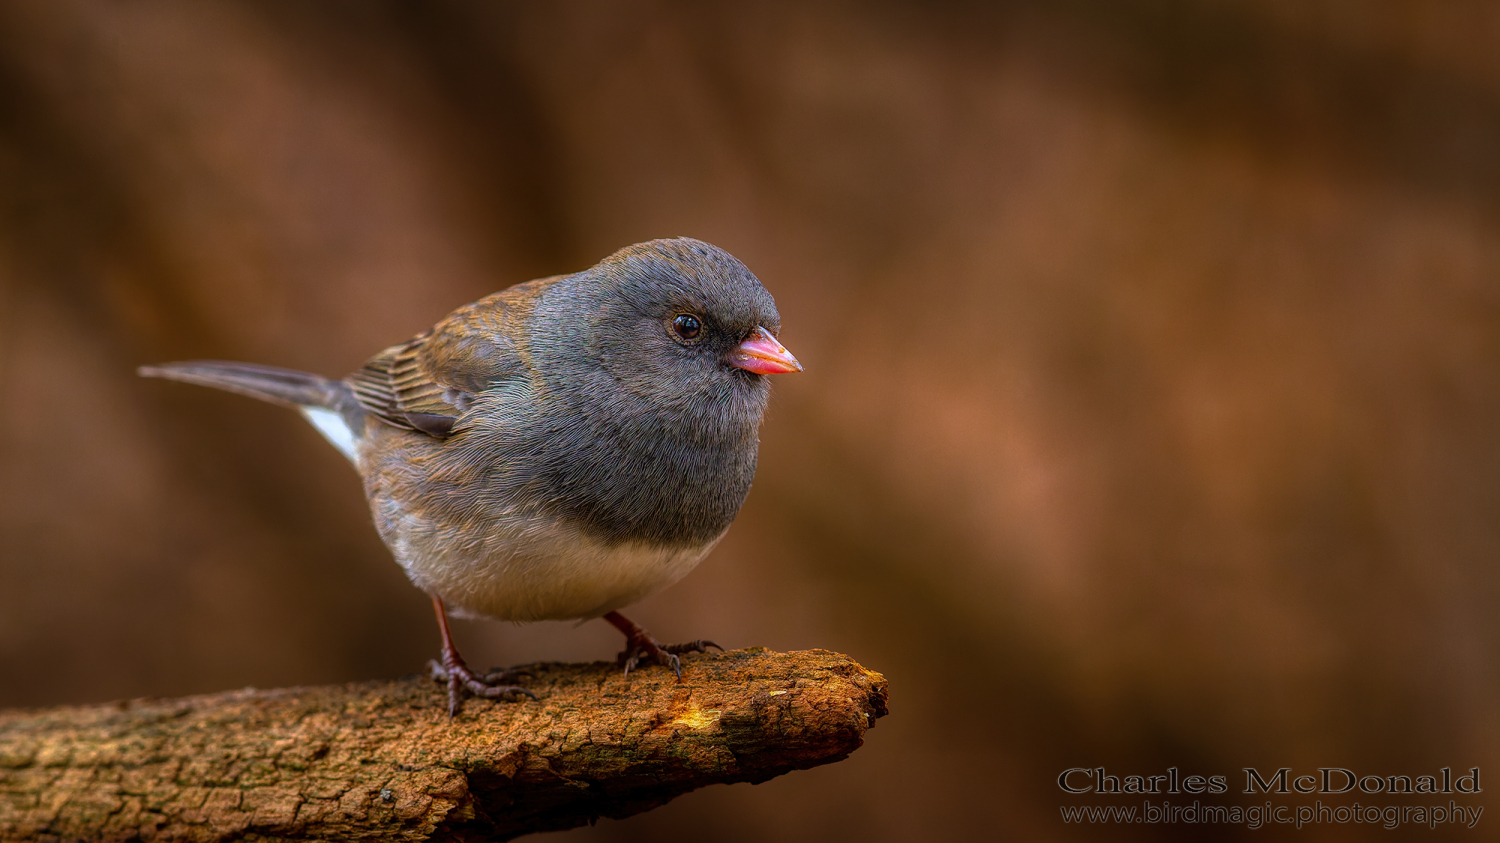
(763, 355)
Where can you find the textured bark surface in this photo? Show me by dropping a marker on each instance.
(381, 760)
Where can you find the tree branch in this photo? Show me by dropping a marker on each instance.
(381, 760)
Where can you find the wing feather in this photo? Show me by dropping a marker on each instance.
(427, 383)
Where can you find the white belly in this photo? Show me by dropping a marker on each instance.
(532, 572)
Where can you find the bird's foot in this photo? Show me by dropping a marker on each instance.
(504, 675)
(456, 675)
(648, 648)
(641, 647)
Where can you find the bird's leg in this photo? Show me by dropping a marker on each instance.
(639, 646)
(457, 675)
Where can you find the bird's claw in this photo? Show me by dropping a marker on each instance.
(457, 676)
(699, 646)
(643, 647)
(504, 675)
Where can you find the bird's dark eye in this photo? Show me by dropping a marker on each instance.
(687, 326)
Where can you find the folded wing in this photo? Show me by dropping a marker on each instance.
(428, 382)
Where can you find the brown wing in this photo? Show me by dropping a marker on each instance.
(394, 386)
(426, 383)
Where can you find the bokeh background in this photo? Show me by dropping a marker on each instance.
(1153, 363)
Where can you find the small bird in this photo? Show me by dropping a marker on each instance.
(557, 450)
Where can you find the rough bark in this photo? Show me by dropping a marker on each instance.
(381, 760)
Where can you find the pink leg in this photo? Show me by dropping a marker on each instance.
(457, 675)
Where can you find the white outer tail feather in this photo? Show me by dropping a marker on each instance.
(333, 427)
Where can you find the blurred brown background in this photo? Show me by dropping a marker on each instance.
(1151, 405)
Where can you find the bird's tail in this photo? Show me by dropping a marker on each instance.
(268, 383)
(329, 404)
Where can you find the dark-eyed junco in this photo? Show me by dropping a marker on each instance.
(557, 450)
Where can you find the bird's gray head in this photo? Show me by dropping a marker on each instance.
(679, 326)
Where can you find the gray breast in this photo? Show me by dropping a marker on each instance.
(617, 472)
